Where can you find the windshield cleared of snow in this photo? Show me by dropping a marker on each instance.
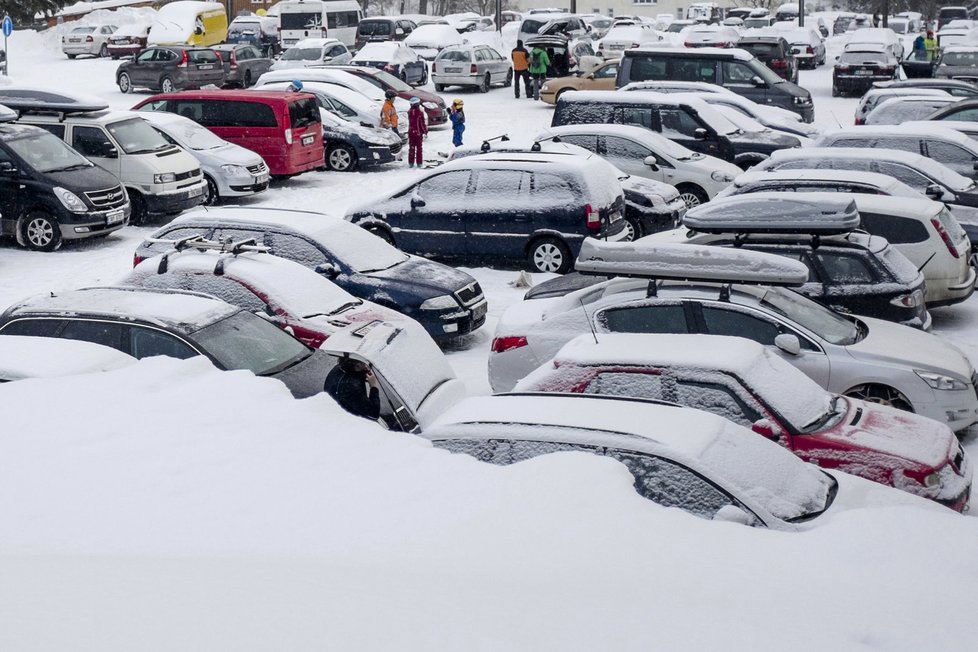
(813, 316)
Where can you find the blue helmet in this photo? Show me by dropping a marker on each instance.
(296, 84)
(415, 101)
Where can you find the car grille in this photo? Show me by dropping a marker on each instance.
(188, 175)
(469, 294)
(257, 169)
(111, 198)
(396, 148)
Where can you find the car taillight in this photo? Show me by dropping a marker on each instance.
(89, 39)
(136, 260)
(911, 300)
(474, 69)
(288, 135)
(592, 218)
(887, 68)
(221, 58)
(809, 50)
(234, 62)
(941, 231)
(183, 60)
(860, 121)
(501, 344)
(779, 63)
(843, 67)
(635, 45)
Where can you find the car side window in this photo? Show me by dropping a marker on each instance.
(496, 183)
(951, 155)
(608, 72)
(964, 115)
(902, 173)
(701, 70)
(898, 230)
(616, 147)
(911, 145)
(296, 249)
(511, 452)
(99, 332)
(445, 186)
(35, 327)
(228, 290)
(56, 130)
(480, 55)
(553, 189)
(678, 123)
(589, 143)
(480, 449)
(148, 342)
(337, 51)
(661, 318)
(737, 323)
(844, 269)
(737, 74)
(146, 56)
(90, 141)
(635, 115)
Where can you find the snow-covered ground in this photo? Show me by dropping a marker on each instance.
(169, 506)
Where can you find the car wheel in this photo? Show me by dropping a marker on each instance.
(40, 231)
(166, 85)
(509, 78)
(72, 56)
(835, 91)
(439, 88)
(692, 195)
(484, 86)
(424, 75)
(882, 395)
(125, 84)
(383, 234)
(103, 51)
(341, 158)
(549, 255)
(138, 214)
(211, 195)
(633, 230)
(403, 76)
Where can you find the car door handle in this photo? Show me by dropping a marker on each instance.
(521, 218)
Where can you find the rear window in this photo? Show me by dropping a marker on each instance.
(226, 113)
(863, 57)
(454, 55)
(573, 113)
(764, 50)
(951, 225)
(374, 28)
(898, 230)
(202, 56)
(303, 113)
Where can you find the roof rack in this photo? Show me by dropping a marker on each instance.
(199, 243)
(688, 262)
(24, 99)
(775, 212)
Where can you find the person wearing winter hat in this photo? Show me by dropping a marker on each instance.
(388, 114)
(295, 85)
(458, 122)
(417, 131)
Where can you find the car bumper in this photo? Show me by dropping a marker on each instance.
(458, 79)
(952, 294)
(437, 116)
(957, 408)
(454, 322)
(175, 202)
(80, 48)
(378, 155)
(858, 82)
(98, 223)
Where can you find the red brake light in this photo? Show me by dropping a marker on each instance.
(500, 344)
(474, 69)
(592, 218)
(136, 260)
(809, 50)
(941, 231)
(779, 63)
(183, 60)
(89, 39)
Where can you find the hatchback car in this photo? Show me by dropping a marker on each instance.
(856, 356)
(128, 40)
(477, 66)
(313, 52)
(243, 63)
(958, 62)
(897, 110)
(807, 47)
(744, 382)
(394, 58)
(774, 52)
(145, 323)
(874, 96)
(87, 39)
(536, 209)
(446, 301)
(170, 68)
(622, 37)
(857, 69)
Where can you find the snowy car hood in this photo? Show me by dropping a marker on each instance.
(229, 154)
(903, 346)
(416, 273)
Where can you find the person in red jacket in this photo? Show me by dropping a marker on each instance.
(417, 130)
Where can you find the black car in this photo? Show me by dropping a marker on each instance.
(855, 71)
(690, 122)
(951, 86)
(170, 68)
(50, 193)
(145, 323)
(348, 146)
(961, 111)
(503, 207)
(261, 32)
(243, 63)
(446, 301)
(774, 52)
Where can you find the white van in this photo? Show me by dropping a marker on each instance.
(302, 19)
(160, 178)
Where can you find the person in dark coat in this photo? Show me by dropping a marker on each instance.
(457, 117)
(417, 130)
(353, 385)
(521, 69)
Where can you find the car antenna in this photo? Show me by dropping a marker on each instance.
(924, 264)
(594, 333)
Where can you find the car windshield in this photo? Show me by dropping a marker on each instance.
(388, 80)
(753, 23)
(812, 316)
(303, 54)
(246, 341)
(192, 135)
(47, 153)
(359, 249)
(134, 136)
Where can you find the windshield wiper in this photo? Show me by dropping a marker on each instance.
(76, 166)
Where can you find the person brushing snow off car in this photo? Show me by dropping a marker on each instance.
(417, 132)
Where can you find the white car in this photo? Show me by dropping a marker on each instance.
(733, 292)
(771, 117)
(819, 181)
(897, 110)
(874, 96)
(27, 356)
(330, 76)
(644, 153)
(87, 39)
(621, 37)
(393, 58)
(230, 170)
(429, 40)
(712, 36)
(314, 52)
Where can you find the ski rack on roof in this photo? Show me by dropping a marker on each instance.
(688, 262)
(22, 99)
(199, 243)
(775, 212)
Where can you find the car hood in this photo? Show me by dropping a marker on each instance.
(83, 179)
(903, 346)
(858, 493)
(427, 278)
(422, 95)
(229, 154)
(767, 139)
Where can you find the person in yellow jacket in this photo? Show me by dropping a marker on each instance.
(388, 114)
(930, 45)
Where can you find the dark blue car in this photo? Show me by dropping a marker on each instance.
(350, 147)
(446, 301)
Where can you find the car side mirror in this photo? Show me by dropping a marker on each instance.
(758, 82)
(398, 32)
(732, 514)
(700, 133)
(328, 269)
(416, 201)
(767, 428)
(794, 51)
(110, 152)
(788, 343)
(199, 31)
(652, 162)
(7, 168)
(934, 191)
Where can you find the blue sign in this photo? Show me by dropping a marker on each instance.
(8, 26)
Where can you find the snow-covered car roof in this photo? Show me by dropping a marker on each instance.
(870, 178)
(433, 36)
(180, 310)
(687, 262)
(656, 140)
(385, 51)
(341, 93)
(677, 86)
(727, 53)
(133, 29)
(23, 356)
(921, 129)
(776, 212)
(315, 43)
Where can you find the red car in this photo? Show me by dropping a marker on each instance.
(742, 381)
(433, 105)
(128, 40)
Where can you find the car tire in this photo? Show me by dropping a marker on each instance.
(424, 76)
(835, 91)
(509, 78)
(341, 158)
(439, 88)
(633, 230)
(882, 395)
(40, 231)
(138, 213)
(124, 83)
(383, 234)
(103, 51)
(166, 85)
(211, 195)
(403, 76)
(484, 86)
(72, 56)
(549, 255)
(692, 195)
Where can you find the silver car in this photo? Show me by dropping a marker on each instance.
(88, 39)
(958, 62)
(856, 356)
(479, 66)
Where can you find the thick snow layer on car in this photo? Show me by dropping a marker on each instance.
(433, 36)
(45, 357)
(175, 21)
(775, 212)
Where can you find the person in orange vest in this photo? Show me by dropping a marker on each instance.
(388, 114)
(521, 69)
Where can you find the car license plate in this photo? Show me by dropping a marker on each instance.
(262, 178)
(308, 140)
(864, 72)
(205, 66)
(74, 40)
(453, 70)
(114, 217)
(195, 192)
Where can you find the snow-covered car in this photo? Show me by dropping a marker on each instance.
(128, 40)
(676, 86)
(330, 76)
(874, 96)
(313, 52)
(433, 105)
(959, 89)
(807, 45)
(230, 170)
(621, 37)
(958, 62)
(897, 110)
(744, 382)
(395, 58)
(350, 146)
(819, 181)
(770, 117)
(862, 65)
(243, 63)
(251, 278)
(429, 40)
(145, 323)
(883, 36)
(23, 356)
(724, 291)
(446, 301)
(87, 39)
(475, 66)
(710, 36)
(641, 152)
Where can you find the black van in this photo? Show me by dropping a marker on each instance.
(734, 69)
(50, 193)
(689, 121)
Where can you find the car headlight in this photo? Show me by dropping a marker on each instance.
(801, 100)
(932, 480)
(443, 302)
(167, 177)
(545, 88)
(235, 170)
(429, 105)
(940, 381)
(70, 200)
(721, 177)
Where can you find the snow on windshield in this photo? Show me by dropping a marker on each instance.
(358, 248)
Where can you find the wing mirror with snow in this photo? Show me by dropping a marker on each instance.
(788, 343)
(700, 133)
(416, 201)
(732, 514)
(767, 428)
(652, 162)
(328, 269)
